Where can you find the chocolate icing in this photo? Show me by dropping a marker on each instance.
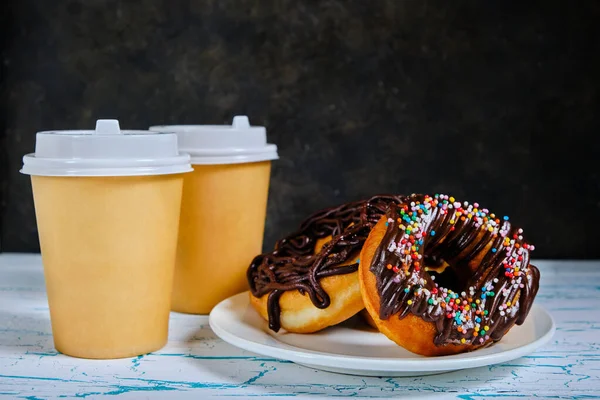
(490, 259)
(293, 265)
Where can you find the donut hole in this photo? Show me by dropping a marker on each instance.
(456, 275)
(447, 278)
(443, 274)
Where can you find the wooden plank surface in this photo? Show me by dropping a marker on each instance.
(197, 364)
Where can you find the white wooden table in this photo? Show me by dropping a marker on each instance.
(196, 364)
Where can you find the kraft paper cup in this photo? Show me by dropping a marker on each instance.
(108, 238)
(223, 211)
(108, 249)
(221, 230)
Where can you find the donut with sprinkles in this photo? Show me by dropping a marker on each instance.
(440, 277)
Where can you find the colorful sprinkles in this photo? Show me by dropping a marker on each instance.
(468, 310)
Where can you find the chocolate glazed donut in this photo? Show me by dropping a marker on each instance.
(493, 283)
(293, 265)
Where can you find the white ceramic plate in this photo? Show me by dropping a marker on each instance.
(354, 348)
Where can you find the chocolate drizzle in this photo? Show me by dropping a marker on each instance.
(496, 282)
(293, 265)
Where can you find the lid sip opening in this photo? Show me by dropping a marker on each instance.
(237, 143)
(105, 151)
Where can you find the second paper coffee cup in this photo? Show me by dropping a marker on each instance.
(223, 210)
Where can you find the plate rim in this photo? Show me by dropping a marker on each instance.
(317, 358)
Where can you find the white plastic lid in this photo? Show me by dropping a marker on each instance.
(106, 151)
(223, 144)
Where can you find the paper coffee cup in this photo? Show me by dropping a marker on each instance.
(107, 206)
(223, 210)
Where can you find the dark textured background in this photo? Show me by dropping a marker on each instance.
(496, 103)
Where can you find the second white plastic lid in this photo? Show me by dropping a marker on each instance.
(223, 144)
(106, 151)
